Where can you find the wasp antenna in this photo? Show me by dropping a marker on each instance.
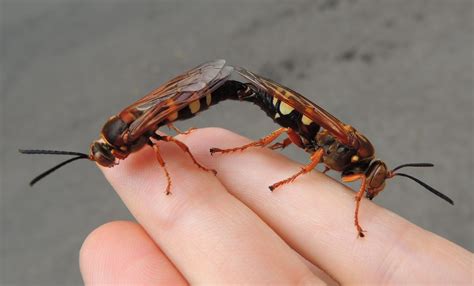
(51, 152)
(44, 174)
(413, 165)
(429, 188)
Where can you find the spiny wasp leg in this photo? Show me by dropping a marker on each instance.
(293, 137)
(358, 198)
(179, 131)
(162, 164)
(326, 169)
(185, 148)
(315, 159)
(259, 143)
(281, 145)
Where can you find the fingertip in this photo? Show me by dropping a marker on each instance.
(129, 166)
(121, 252)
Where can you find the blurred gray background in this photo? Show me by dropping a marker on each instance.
(400, 71)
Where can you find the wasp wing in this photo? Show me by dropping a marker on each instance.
(303, 105)
(174, 95)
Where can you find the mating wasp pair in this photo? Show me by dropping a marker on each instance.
(337, 145)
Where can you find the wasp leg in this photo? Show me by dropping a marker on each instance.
(358, 198)
(163, 165)
(259, 143)
(315, 159)
(184, 148)
(281, 145)
(292, 135)
(326, 169)
(179, 131)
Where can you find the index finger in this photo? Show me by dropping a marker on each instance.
(209, 235)
(314, 215)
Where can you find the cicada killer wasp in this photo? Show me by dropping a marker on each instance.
(135, 126)
(338, 146)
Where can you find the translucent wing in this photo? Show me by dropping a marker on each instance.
(303, 105)
(174, 95)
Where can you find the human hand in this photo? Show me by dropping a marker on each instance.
(232, 229)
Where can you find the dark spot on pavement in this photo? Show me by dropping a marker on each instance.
(367, 57)
(419, 17)
(329, 5)
(348, 55)
(288, 64)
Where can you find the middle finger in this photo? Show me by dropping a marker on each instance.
(210, 236)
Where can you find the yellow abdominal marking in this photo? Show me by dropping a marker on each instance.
(275, 101)
(208, 99)
(306, 120)
(354, 159)
(285, 108)
(194, 106)
(173, 116)
(277, 115)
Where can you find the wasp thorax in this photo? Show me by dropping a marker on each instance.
(336, 156)
(101, 152)
(113, 129)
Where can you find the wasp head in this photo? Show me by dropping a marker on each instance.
(101, 152)
(376, 175)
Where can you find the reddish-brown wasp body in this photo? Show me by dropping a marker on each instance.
(338, 146)
(135, 126)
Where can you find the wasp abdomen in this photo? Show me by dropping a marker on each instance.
(285, 115)
(228, 90)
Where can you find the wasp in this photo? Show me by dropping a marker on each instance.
(339, 146)
(135, 127)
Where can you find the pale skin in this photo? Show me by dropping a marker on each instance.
(230, 228)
